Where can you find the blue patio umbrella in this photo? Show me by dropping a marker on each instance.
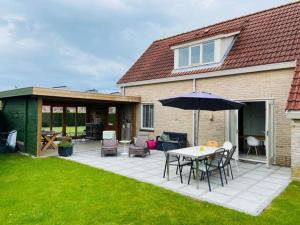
(201, 101)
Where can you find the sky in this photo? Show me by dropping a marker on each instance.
(90, 44)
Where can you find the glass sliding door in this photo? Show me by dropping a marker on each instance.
(232, 130)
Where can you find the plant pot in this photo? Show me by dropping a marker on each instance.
(65, 151)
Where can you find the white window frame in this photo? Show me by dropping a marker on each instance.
(201, 59)
(176, 56)
(142, 117)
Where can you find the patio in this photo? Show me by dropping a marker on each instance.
(252, 190)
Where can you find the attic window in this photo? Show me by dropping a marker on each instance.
(201, 53)
(208, 52)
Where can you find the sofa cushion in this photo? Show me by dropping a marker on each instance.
(164, 137)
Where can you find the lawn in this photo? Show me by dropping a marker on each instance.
(57, 191)
(69, 129)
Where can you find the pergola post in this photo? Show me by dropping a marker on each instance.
(39, 125)
(51, 118)
(64, 121)
(76, 112)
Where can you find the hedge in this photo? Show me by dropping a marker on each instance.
(57, 119)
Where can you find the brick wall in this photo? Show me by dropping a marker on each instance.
(271, 84)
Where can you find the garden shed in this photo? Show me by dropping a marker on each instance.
(32, 110)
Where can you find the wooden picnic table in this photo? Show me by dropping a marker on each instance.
(48, 138)
(194, 153)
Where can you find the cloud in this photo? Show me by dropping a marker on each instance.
(87, 44)
(90, 65)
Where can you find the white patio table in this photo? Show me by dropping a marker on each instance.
(194, 153)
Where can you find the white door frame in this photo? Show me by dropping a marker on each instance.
(269, 128)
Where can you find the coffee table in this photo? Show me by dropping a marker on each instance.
(125, 143)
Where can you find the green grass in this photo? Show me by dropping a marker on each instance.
(69, 129)
(57, 191)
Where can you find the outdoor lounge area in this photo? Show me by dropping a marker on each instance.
(251, 191)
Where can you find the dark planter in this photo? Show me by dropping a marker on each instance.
(65, 151)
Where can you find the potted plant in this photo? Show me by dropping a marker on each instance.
(65, 148)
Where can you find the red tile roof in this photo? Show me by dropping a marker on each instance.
(270, 36)
(294, 97)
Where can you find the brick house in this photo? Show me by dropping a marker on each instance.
(254, 59)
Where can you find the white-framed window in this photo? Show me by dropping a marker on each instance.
(196, 55)
(184, 56)
(208, 52)
(147, 116)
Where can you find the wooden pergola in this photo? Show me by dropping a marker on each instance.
(32, 100)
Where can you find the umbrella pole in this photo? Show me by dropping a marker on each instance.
(196, 120)
(197, 127)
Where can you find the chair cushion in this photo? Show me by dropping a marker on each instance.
(133, 147)
(165, 137)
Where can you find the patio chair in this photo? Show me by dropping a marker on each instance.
(10, 143)
(228, 158)
(174, 160)
(210, 164)
(109, 147)
(228, 147)
(139, 147)
(253, 143)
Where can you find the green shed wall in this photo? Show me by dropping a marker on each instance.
(21, 114)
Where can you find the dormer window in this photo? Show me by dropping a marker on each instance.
(184, 57)
(208, 52)
(195, 55)
(202, 53)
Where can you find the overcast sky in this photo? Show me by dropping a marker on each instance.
(86, 44)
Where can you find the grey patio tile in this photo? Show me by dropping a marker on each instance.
(192, 190)
(277, 181)
(253, 197)
(262, 191)
(238, 185)
(172, 185)
(244, 205)
(265, 184)
(253, 176)
(155, 180)
(216, 197)
(280, 176)
(231, 191)
(260, 173)
(246, 180)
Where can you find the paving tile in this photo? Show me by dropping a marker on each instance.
(262, 191)
(227, 190)
(192, 191)
(244, 205)
(215, 197)
(155, 180)
(238, 185)
(276, 180)
(246, 180)
(253, 197)
(173, 185)
(253, 176)
(265, 184)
